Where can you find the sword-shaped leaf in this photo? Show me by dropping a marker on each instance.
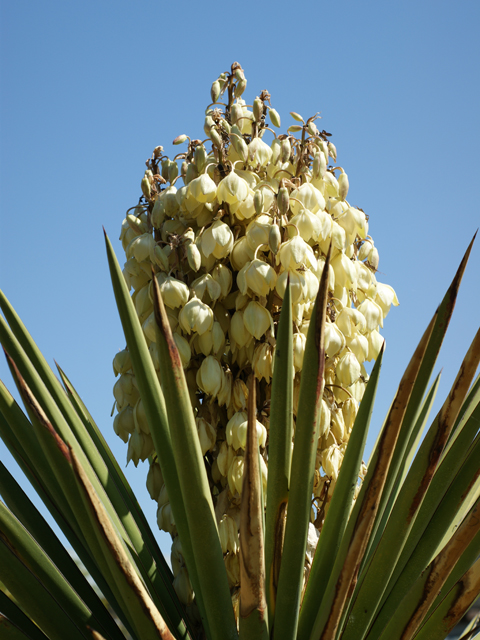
(337, 517)
(360, 525)
(290, 579)
(253, 605)
(195, 490)
(409, 500)
(279, 450)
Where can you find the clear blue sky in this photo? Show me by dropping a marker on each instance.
(89, 88)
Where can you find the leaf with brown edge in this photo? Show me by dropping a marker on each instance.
(419, 599)
(253, 604)
(453, 606)
(359, 528)
(145, 616)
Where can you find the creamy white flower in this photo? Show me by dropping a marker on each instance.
(210, 376)
(196, 316)
(232, 189)
(296, 252)
(203, 188)
(373, 314)
(348, 369)
(298, 285)
(257, 319)
(309, 196)
(258, 276)
(217, 240)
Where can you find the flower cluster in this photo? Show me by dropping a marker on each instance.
(224, 225)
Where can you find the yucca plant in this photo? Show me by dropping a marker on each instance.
(397, 552)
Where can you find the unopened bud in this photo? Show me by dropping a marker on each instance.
(172, 171)
(274, 117)
(240, 88)
(343, 185)
(297, 116)
(332, 150)
(215, 137)
(274, 238)
(258, 200)
(295, 128)
(286, 150)
(146, 187)
(180, 139)
(257, 109)
(283, 200)
(319, 166)
(200, 158)
(215, 91)
(192, 173)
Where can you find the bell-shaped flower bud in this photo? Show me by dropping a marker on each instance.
(238, 331)
(309, 225)
(232, 189)
(262, 362)
(206, 286)
(203, 188)
(259, 152)
(372, 313)
(338, 425)
(358, 344)
(319, 165)
(345, 272)
(349, 410)
(217, 240)
(235, 475)
(240, 395)
(298, 287)
(225, 395)
(299, 341)
(165, 519)
(175, 293)
(154, 480)
(348, 369)
(224, 458)
(306, 197)
(331, 461)
(332, 150)
(183, 349)
(257, 232)
(349, 321)
(228, 534)
(325, 417)
(140, 417)
(124, 424)
(375, 342)
(385, 297)
(334, 339)
(296, 253)
(223, 277)
(260, 277)
(122, 362)
(210, 376)
(257, 319)
(196, 316)
(206, 434)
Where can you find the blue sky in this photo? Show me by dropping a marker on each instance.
(88, 89)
